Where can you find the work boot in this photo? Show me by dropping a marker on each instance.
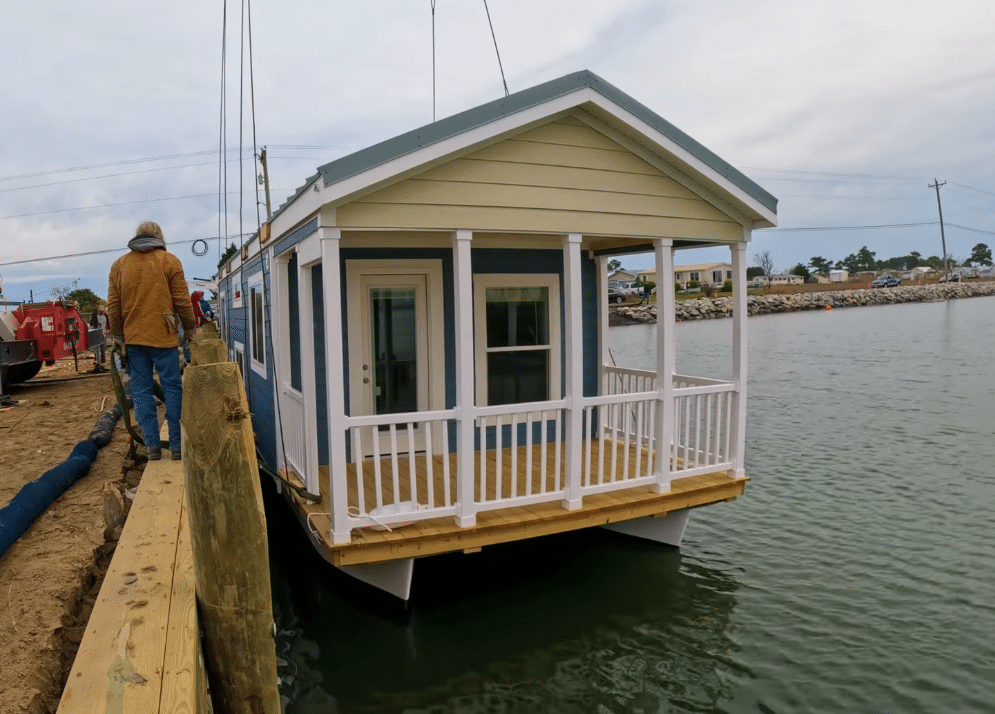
(175, 454)
(155, 454)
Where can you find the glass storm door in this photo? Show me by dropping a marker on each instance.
(389, 368)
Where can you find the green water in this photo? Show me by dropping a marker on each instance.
(855, 575)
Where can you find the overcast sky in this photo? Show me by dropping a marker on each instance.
(845, 111)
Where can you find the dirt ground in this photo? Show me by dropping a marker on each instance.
(50, 577)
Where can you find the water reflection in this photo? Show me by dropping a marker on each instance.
(582, 622)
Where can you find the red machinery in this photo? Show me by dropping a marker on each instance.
(36, 333)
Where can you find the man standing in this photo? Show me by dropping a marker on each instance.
(99, 321)
(147, 300)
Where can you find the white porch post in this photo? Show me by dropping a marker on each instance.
(605, 357)
(739, 352)
(666, 359)
(330, 238)
(305, 287)
(465, 392)
(281, 338)
(574, 359)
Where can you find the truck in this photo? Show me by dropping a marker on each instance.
(33, 334)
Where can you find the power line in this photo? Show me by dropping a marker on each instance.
(848, 228)
(97, 252)
(103, 176)
(112, 205)
(953, 183)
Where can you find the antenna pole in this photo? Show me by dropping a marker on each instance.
(936, 184)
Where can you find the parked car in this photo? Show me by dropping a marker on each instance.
(952, 278)
(886, 281)
(615, 295)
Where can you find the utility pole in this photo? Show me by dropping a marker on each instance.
(936, 184)
(262, 160)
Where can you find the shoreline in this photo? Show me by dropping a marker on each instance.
(721, 307)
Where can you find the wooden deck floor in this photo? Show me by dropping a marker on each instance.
(442, 535)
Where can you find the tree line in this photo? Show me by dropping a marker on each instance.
(865, 260)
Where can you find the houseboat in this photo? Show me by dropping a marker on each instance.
(423, 332)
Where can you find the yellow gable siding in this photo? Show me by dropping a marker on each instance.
(561, 177)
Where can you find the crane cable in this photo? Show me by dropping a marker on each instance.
(496, 51)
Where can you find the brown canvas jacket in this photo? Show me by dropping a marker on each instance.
(146, 293)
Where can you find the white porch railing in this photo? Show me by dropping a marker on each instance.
(294, 431)
(703, 409)
(519, 477)
(400, 468)
(403, 467)
(703, 413)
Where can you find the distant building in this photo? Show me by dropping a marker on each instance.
(839, 276)
(787, 279)
(715, 273)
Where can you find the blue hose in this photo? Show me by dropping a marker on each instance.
(34, 498)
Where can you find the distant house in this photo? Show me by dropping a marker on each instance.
(839, 276)
(920, 272)
(787, 279)
(622, 276)
(715, 273)
(821, 278)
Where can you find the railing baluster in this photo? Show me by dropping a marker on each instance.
(357, 456)
(588, 416)
(514, 456)
(395, 472)
(614, 418)
(604, 413)
(498, 457)
(687, 431)
(445, 463)
(627, 420)
(482, 456)
(429, 466)
(412, 478)
(698, 406)
(558, 437)
(377, 472)
(651, 444)
(544, 438)
(528, 454)
(640, 408)
(730, 398)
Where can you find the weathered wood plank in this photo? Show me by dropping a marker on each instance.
(120, 663)
(228, 536)
(182, 690)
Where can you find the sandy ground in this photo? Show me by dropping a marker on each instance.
(50, 577)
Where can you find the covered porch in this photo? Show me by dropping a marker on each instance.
(632, 439)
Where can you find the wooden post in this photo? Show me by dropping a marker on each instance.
(228, 535)
(207, 351)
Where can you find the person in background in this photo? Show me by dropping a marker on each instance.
(197, 303)
(646, 294)
(98, 320)
(147, 301)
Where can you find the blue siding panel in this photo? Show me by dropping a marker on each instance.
(296, 236)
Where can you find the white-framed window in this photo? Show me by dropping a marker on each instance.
(257, 324)
(517, 337)
(238, 357)
(236, 294)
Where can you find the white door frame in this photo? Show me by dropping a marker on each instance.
(360, 273)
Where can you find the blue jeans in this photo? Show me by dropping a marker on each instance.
(166, 361)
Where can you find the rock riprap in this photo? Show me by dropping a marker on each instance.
(712, 308)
